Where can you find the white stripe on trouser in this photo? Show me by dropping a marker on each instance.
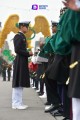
(76, 108)
(17, 96)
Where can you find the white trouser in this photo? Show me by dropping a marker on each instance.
(76, 108)
(17, 96)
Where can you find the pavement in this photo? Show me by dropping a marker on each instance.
(30, 97)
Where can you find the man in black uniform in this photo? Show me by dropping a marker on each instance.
(74, 82)
(20, 70)
(9, 72)
(57, 73)
(51, 85)
(4, 71)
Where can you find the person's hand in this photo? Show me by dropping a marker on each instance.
(72, 4)
(41, 44)
(30, 53)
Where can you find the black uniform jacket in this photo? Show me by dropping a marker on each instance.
(20, 68)
(59, 69)
(74, 82)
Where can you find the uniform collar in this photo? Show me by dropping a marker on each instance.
(21, 32)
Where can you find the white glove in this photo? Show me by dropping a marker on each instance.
(34, 59)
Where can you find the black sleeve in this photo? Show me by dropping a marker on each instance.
(19, 49)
